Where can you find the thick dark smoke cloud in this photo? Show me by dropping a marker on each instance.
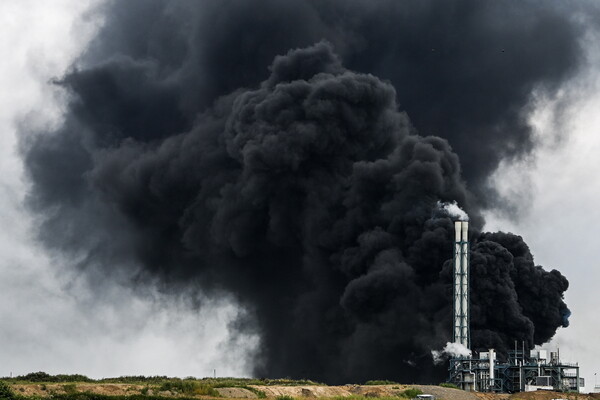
(511, 296)
(303, 190)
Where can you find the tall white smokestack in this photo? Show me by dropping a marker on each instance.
(457, 283)
(461, 333)
(492, 362)
(465, 283)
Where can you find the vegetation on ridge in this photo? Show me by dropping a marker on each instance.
(6, 392)
(178, 384)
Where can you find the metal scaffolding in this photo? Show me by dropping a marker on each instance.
(521, 372)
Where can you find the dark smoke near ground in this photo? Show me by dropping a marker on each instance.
(307, 191)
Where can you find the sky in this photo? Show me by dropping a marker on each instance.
(560, 222)
(49, 320)
(52, 322)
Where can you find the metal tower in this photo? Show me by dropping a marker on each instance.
(461, 333)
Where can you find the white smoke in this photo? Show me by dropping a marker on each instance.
(451, 349)
(453, 210)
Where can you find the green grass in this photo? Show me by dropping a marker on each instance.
(448, 385)
(407, 394)
(259, 393)
(185, 389)
(135, 379)
(189, 387)
(411, 393)
(152, 386)
(242, 382)
(43, 377)
(70, 388)
(6, 392)
(94, 396)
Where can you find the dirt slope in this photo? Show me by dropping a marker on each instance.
(441, 393)
(46, 390)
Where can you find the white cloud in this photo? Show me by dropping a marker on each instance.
(562, 219)
(49, 321)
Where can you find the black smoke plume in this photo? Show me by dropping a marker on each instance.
(303, 190)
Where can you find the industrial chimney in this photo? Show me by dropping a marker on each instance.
(461, 333)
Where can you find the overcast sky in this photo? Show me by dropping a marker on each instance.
(560, 191)
(49, 323)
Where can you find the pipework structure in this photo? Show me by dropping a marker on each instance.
(483, 371)
(524, 371)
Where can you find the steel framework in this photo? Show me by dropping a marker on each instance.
(461, 333)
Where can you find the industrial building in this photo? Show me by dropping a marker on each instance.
(524, 370)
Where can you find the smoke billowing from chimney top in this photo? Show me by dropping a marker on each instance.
(453, 210)
(450, 350)
(226, 148)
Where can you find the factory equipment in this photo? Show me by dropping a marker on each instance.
(483, 371)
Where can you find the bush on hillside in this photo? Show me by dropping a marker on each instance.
(6, 392)
(45, 377)
(411, 393)
(190, 387)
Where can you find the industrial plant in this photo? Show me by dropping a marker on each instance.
(524, 370)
